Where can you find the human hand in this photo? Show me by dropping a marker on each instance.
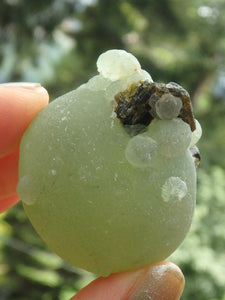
(19, 104)
(161, 281)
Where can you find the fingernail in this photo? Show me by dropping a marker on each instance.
(24, 85)
(161, 282)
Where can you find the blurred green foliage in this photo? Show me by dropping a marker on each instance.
(57, 42)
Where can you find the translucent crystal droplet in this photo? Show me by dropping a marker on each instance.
(196, 135)
(115, 64)
(173, 136)
(168, 107)
(141, 150)
(174, 189)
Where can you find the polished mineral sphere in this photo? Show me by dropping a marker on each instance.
(101, 199)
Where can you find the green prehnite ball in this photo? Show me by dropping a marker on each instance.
(102, 199)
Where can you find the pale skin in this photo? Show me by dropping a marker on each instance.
(19, 104)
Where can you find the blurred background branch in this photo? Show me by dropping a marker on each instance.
(57, 42)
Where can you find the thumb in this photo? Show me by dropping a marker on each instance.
(19, 104)
(161, 281)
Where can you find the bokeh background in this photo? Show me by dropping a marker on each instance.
(56, 43)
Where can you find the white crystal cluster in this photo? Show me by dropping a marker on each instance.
(117, 64)
(117, 70)
(163, 139)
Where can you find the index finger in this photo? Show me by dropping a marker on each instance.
(19, 104)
